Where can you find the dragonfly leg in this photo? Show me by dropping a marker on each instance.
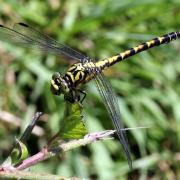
(72, 96)
(84, 95)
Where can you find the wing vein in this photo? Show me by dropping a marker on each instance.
(111, 104)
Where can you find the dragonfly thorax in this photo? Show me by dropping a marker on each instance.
(59, 84)
(76, 75)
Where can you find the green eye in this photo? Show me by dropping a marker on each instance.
(56, 75)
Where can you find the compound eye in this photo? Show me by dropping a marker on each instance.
(56, 75)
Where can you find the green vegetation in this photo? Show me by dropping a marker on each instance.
(147, 85)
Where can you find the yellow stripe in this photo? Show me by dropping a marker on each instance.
(141, 46)
(161, 39)
(77, 76)
(100, 63)
(90, 64)
(123, 55)
(136, 48)
(71, 76)
(128, 52)
(54, 85)
(149, 43)
(152, 42)
(112, 59)
(71, 68)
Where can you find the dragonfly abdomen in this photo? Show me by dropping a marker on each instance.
(137, 49)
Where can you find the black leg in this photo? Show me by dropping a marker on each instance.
(74, 96)
(84, 93)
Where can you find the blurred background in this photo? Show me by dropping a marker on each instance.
(147, 85)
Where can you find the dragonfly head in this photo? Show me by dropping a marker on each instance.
(58, 84)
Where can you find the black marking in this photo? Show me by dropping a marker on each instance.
(132, 51)
(174, 35)
(168, 38)
(178, 34)
(84, 77)
(72, 69)
(1, 25)
(84, 93)
(106, 64)
(145, 46)
(80, 76)
(75, 73)
(119, 58)
(156, 42)
(22, 24)
(68, 79)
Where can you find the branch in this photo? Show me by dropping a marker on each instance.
(30, 175)
(48, 152)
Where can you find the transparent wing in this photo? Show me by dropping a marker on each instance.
(26, 36)
(110, 101)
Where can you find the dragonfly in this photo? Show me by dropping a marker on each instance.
(83, 71)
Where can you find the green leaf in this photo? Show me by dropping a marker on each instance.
(19, 153)
(73, 126)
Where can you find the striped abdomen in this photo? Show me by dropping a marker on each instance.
(137, 49)
(81, 73)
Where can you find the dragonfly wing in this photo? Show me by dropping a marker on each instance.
(26, 36)
(110, 101)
